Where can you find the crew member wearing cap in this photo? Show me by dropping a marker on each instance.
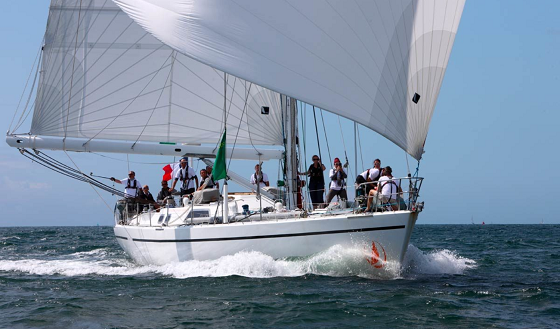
(338, 184)
(132, 185)
(187, 176)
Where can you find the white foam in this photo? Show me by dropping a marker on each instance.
(417, 262)
(335, 261)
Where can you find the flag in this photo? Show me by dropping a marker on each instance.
(219, 169)
(168, 170)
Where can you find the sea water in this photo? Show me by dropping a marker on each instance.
(461, 276)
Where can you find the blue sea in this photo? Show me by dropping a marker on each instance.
(460, 276)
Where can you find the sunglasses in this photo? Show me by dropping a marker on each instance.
(315, 159)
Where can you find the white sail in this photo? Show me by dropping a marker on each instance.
(103, 77)
(364, 60)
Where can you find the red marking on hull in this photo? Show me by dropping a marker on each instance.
(375, 259)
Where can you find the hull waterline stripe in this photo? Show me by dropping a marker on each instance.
(276, 235)
(121, 237)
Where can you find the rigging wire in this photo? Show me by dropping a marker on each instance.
(93, 188)
(360, 146)
(304, 134)
(63, 169)
(247, 119)
(27, 108)
(326, 138)
(317, 135)
(344, 145)
(36, 61)
(407, 166)
(237, 134)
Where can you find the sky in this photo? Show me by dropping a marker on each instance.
(491, 153)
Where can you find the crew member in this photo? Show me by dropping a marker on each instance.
(212, 183)
(259, 177)
(132, 185)
(146, 195)
(188, 178)
(316, 181)
(164, 193)
(370, 175)
(338, 184)
(205, 180)
(389, 188)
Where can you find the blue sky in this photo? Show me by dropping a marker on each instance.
(491, 153)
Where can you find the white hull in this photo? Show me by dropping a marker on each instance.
(389, 232)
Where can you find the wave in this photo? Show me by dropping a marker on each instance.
(437, 262)
(335, 262)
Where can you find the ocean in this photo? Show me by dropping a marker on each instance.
(460, 276)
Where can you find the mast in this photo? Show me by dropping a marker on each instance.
(225, 215)
(290, 126)
(355, 149)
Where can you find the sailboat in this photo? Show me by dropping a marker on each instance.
(173, 78)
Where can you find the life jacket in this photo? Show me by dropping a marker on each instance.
(185, 180)
(255, 178)
(342, 179)
(392, 182)
(378, 175)
(132, 186)
(128, 184)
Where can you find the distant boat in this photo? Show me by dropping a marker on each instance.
(472, 221)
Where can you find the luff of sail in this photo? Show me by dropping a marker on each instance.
(103, 78)
(365, 60)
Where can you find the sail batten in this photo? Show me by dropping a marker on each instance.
(364, 60)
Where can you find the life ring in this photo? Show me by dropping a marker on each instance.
(375, 259)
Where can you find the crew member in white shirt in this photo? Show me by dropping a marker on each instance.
(259, 177)
(372, 175)
(389, 188)
(187, 177)
(338, 184)
(132, 185)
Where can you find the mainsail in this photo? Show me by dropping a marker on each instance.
(103, 77)
(379, 63)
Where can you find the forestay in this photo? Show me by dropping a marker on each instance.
(364, 59)
(103, 77)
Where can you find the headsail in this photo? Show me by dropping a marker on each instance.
(379, 63)
(103, 77)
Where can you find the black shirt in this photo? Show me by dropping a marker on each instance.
(315, 174)
(148, 197)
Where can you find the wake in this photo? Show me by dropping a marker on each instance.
(335, 262)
